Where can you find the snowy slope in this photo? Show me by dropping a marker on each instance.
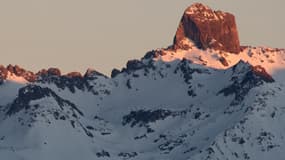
(170, 105)
(272, 59)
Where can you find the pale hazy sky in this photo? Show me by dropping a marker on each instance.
(103, 34)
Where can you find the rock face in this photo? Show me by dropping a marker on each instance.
(207, 29)
(74, 75)
(90, 74)
(18, 71)
(3, 74)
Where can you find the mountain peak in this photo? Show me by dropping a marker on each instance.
(207, 28)
(197, 7)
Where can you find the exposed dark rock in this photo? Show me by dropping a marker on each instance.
(145, 116)
(29, 76)
(74, 75)
(252, 77)
(71, 81)
(197, 115)
(151, 54)
(241, 141)
(90, 74)
(49, 72)
(155, 53)
(115, 72)
(3, 74)
(54, 71)
(187, 71)
(170, 145)
(128, 84)
(90, 127)
(34, 92)
(223, 61)
(261, 72)
(42, 72)
(207, 29)
(103, 153)
(134, 65)
(127, 155)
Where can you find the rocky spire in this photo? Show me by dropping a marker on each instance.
(207, 29)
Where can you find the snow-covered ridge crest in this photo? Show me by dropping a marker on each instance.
(167, 106)
(18, 74)
(271, 59)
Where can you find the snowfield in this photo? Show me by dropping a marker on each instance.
(170, 105)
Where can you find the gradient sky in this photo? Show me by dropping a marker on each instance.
(103, 34)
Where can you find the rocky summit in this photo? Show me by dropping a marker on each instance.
(207, 29)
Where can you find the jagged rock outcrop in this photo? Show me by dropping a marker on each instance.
(252, 76)
(33, 92)
(207, 29)
(72, 80)
(115, 72)
(3, 73)
(49, 72)
(20, 72)
(74, 75)
(261, 72)
(90, 74)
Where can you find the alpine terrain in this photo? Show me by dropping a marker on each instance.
(204, 97)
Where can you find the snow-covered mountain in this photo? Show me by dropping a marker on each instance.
(184, 102)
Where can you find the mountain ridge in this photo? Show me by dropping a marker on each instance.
(175, 103)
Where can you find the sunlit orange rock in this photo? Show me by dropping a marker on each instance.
(207, 29)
